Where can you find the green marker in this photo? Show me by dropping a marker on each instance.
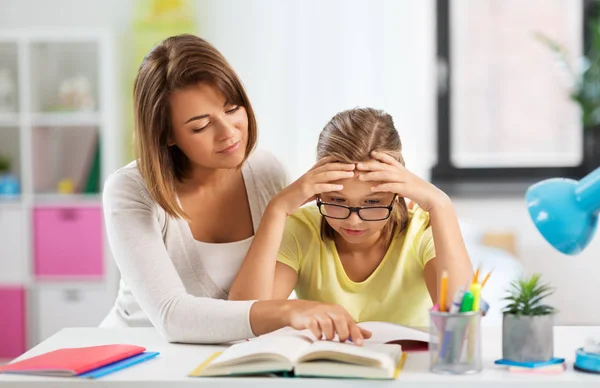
(467, 302)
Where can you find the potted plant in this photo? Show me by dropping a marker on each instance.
(4, 165)
(527, 326)
(585, 90)
(9, 185)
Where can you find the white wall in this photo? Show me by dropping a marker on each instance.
(574, 277)
(303, 61)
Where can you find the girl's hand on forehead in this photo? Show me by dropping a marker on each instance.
(319, 179)
(395, 178)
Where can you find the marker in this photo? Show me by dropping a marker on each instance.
(466, 306)
(457, 301)
(486, 278)
(475, 289)
(484, 307)
(467, 302)
(449, 332)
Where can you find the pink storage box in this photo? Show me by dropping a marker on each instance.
(68, 242)
(12, 324)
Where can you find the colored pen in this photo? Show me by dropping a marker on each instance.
(486, 278)
(475, 276)
(466, 306)
(475, 289)
(484, 306)
(457, 301)
(467, 302)
(444, 291)
(449, 332)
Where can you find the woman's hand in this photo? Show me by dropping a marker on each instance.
(324, 320)
(317, 180)
(398, 180)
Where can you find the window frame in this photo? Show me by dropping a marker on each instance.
(444, 172)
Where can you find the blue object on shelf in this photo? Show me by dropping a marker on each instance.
(589, 362)
(533, 364)
(9, 185)
(565, 211)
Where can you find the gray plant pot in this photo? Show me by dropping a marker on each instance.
(527, 338)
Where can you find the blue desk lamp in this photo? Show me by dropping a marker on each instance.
(565, 211)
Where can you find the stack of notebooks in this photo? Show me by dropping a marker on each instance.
(85, 362)
(551, 367)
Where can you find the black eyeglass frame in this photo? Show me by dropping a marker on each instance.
(354, 209)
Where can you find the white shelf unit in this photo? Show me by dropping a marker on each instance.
(42, 231)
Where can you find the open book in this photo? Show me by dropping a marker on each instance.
(410, 338)
(305, 357)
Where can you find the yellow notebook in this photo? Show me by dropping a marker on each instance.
(305, 357)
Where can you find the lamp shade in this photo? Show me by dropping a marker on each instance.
(565, 211)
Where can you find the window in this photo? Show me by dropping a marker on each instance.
(504, 113)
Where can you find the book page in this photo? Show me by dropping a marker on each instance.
(376, 355)
(263, 349)
(384, 332)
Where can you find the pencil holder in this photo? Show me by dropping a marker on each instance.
(455, 342)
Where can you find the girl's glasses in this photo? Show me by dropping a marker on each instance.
(366, 213)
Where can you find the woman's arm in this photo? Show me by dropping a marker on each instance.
(135, 238)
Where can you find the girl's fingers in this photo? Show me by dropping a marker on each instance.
(323, 161)
(385, 158)
(396, 188)
(356, 333)
(332, 176)
(326, 188)
(365, 333)
(341, 326)
(314, 327)
(326, 327)
(335, 167)
(382, 176)
(373, 165)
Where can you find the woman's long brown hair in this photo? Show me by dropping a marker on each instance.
(175, 63)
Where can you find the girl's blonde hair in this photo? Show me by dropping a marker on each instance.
(175, 63)
(350, 137)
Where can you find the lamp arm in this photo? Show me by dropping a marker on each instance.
(588, 192)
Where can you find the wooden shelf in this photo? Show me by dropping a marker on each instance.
(56, 199)
(10, 201)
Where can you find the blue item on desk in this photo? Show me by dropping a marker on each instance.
(118, 365)
(532, 364)
(588, 362)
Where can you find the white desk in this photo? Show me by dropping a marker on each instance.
(175, 361)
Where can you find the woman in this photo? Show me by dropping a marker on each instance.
(181, 218)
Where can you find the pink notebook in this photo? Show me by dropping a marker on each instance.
(72, 361)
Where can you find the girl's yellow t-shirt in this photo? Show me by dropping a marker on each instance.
(395, 292)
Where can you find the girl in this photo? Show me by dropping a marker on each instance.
(360, 246)
(180, 219)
